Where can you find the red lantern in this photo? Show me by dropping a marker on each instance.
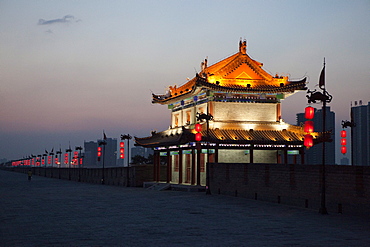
(198, 127)
(343, 149)
(122, 153)
(121, 150)
(308, 141)
(343, 141)
(308, 127)
(66, 158)
(309, 112)
(343, 133)
(99, 151)
(198, 137)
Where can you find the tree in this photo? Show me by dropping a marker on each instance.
(150, 159)
(138, 159)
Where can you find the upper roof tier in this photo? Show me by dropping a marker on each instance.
(237, 73)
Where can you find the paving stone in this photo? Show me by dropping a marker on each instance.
(53, 212)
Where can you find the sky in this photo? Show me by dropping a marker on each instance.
(70, 70)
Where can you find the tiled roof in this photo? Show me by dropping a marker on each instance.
(291, 87)
(199, 83)
(176, 136)
(236, 73)
(180, 136)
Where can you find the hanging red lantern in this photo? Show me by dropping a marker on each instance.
(198, 127)
(343, 133)
(308, 126)
(308, 141)
(198, 137)
(99, 151)
(309, 112)
(343, 149)
(343, 141)
(121, 150)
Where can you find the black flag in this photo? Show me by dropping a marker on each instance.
(322, 78)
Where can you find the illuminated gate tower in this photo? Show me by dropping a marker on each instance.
(247, 127)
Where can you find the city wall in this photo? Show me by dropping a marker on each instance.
(347, 187)
(138, 174)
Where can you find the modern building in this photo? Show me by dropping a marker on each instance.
(313, 155)
(344, 161)
(361, 134)
(3, 161)
(108, 153)
(238, 107)
(90, 155)
(145, 152)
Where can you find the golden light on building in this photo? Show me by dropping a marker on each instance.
(245, 102)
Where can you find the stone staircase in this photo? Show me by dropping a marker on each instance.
(177, 187)
(158, 186)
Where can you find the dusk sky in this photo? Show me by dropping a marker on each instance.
(71, 69)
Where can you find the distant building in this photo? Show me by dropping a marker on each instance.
(313, 156)
(145, 152)
(109, 154)
(344, 161)
(90, 155)
(361, 134)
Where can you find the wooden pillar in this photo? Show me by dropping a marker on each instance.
(216, 152)
(301, 151)
(169, 167)
(159, 166)
(193, 164)
(251, 155)
(285, 156)
(155, 166)
(180, 166)
(199, 151)
(278, 112)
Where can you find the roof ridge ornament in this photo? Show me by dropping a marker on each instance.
(243, 46)
(204, 64)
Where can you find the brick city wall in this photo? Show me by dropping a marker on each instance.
(112, 175)
(347, 187)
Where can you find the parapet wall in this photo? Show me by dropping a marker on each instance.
(347, 187)
(112, 176)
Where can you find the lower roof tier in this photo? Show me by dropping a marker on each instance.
(180, 136)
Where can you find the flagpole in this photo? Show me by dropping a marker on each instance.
(104, 142)
(323, 209)
(352, 125)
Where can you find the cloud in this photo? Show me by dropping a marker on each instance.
(65, 19)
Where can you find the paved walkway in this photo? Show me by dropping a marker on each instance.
(52, 212)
